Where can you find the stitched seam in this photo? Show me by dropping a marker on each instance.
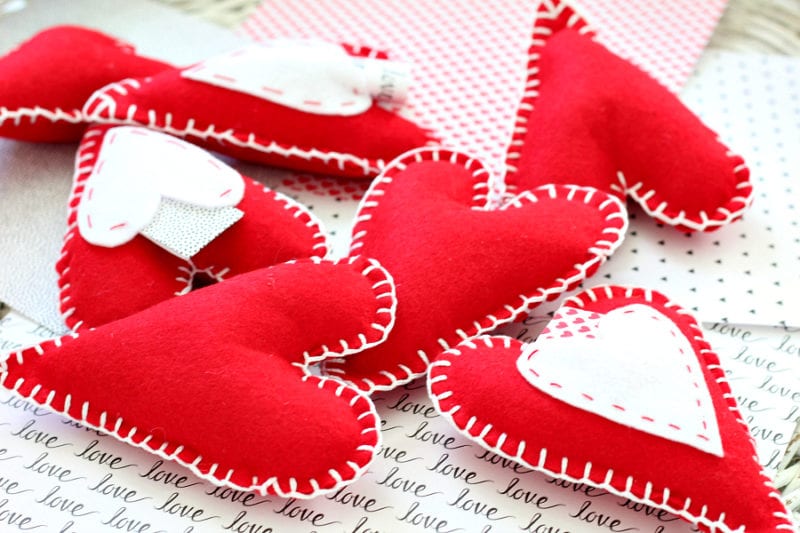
(102, 107)
(32, 113)
(710, 359)
(545, 26)
(660, 209)
(438, 376)
(384, 315)
(370, 269)
(613, 234)
(633, 410)
(85, 160)
(191, 460)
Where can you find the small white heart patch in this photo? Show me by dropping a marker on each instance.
(632, 366)
(136, 170)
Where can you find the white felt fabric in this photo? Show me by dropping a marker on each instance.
(311, 76)
(184, 229)
(135, 169)
(35, 178)
(632, 366)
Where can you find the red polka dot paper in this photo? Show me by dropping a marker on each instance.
(469, 56)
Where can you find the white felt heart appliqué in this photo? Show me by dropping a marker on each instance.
(311, 76)
(632, 366)
(137, 169)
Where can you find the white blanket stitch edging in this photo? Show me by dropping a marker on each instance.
(101, 107)
(437, 374)
(272, 484)
(482, 200)
(649, 200)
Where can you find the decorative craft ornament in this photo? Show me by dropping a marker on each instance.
(227, 392)
(152, 216)
(621, 392)
(591, 118)
(464, 265)
(308, 106)
(46, 80)
(571, 135)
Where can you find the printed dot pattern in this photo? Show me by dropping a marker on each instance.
(184, 229)
(469, 56)
(747, 272)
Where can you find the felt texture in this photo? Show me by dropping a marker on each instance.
(463, 268)
(99, 284)
(478, 389)
(218, 380)
(46, 80)
(308, 75)
(136, 170)
(603, 346)
(590, 118)
(253, 129)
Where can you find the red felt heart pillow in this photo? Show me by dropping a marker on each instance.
(622, 392)
(45, 81)
(463, 265)
(218, 380)
(152, 217)
(591, 118)
(309, 106)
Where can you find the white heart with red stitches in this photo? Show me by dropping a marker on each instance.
(138, 168)
(667, 397)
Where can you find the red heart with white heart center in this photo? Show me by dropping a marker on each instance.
(637, 405)
(311, 107)
(125, 176)
(226, 391)
(591, 118)
(46, 80)
(462, 267)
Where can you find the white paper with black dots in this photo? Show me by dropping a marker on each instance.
(748, 272)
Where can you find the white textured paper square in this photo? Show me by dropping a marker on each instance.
(185, 229)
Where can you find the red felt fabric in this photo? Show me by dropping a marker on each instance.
(221, 374)
(101, 284)
(253, 129)
(484, 381)
(587, 115)
(46, 80)
(460, 268)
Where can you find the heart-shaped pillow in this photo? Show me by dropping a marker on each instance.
(46, 80)
(314, 107)
(464, 266)
(591, 118)
(218, 380)
(622, 392)
(134, 188)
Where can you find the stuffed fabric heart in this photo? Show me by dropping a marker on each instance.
(622, 392)
(591, 118)
(218, 380)
(46, 80)
(463, 268)
(308, 106)
(151, 216)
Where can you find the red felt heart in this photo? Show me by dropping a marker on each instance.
(99, 284)
(218, 380)
(569, 428)
(591, 118)
(254, 129)
(46, 80)
(463, 268)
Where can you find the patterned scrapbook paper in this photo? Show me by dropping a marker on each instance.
(469, 56)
